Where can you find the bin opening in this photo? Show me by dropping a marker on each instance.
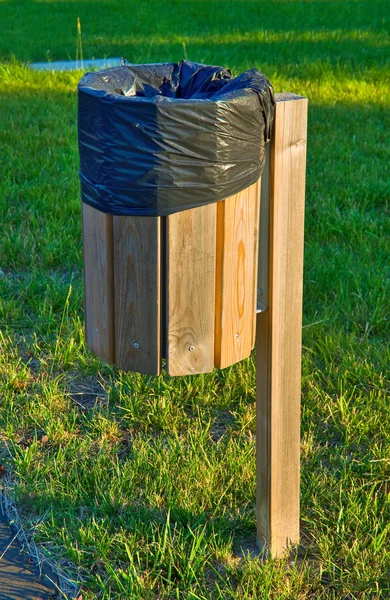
(183, 80)
(180, 80)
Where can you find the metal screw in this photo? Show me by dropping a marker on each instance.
(236, 336)
(97, 330)
(191, 348)
(136, 345)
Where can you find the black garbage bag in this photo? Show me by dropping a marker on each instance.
(156, 139)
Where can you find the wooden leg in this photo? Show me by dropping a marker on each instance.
(278, 345)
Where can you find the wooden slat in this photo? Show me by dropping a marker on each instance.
(98, 283)
(236, 277)
(137, 259)
(278, 347)
(190, 288)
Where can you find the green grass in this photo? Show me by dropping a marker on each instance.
(148, 484)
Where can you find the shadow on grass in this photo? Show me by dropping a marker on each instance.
(141, 26)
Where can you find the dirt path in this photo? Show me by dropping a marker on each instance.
(19, 578)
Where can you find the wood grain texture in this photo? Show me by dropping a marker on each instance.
(98, 283)
(137, 259)
(236, 276)
(190, 289)
(278, 347)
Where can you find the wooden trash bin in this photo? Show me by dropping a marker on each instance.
(181, 287)
(184, 288)
(172, 139)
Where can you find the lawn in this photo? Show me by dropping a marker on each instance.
(147, 485)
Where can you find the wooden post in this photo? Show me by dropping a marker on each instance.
(278, 345)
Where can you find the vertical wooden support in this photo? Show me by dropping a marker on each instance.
(98, 282)
(190, 289)
(236, 277)
(137, 259)
(278, 348)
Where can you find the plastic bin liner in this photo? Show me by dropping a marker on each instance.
(156, 139)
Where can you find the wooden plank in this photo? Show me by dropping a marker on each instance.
(236, 277)
(137, 259)
(190, 288)
(278, 348)
(98, 283)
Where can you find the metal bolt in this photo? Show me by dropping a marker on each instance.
(136, 345)
(97, 330)
(236, 336)
(191, 348)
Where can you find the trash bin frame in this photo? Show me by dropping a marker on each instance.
(278, 321)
